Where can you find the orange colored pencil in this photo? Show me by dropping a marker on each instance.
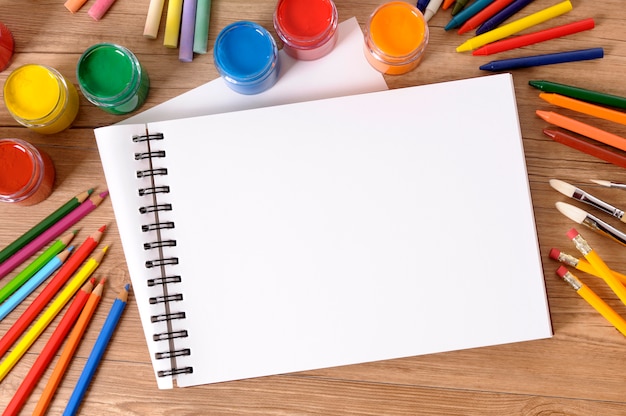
(68, 351)
(585, 129)
(447, 4)
(49, 351)
(584, 107)
(61, 277)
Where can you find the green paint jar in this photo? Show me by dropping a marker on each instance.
(112, 78)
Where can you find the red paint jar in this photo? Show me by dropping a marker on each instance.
(26, 174)
(7, 46)
(308, 28)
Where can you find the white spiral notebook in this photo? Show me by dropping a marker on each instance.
(330, 232)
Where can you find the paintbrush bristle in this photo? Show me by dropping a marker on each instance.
(601, 182)
(563, 187)
(570, 211)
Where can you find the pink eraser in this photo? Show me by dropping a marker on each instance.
(555, 253)
(99, 8)
(561, 271)
(572, 233)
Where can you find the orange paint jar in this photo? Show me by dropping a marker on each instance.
(396, 36)
(26, 174)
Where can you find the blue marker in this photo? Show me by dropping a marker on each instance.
(547, 59)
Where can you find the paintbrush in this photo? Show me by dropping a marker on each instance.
(609, 184)
(582, 217)
(582, 196)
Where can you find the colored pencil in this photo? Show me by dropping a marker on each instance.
(99, 9)
(42, 323)
(535, 37)
(586, 147)
(584, 129)
(49, 351)
(581, 264)
(54, 286)
(30, 270)
(51, 233)
(172, 23)
(97, 352)
(153, 19)
(480, 17)
(34, 282)
(498, 18)
(187, 27)
(597, 263)
(68, 350)
(201, 31)
(545, 59)
(42, 226)
(464, 15)
(515, 26)
(593, 299)
(580, 93)
(584, 107)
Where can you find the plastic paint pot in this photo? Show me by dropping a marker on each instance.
(112, 78)
(246, 56)
(308, 28)
(396, 36)
(40, 98)
(7, 46)
(26, 174)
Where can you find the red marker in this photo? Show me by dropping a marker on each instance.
(535, 37)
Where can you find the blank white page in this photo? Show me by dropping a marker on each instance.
(338, 231)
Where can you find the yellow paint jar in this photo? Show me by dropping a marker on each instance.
(40, 98)
(396, 36)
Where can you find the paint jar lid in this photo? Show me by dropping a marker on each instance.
(108, 74)
(305, 23)
(245, 53)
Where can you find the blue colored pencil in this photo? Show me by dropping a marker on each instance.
(38, 278)
(495, 20)
(547, 59)
(97, 352)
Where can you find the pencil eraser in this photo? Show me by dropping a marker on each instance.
(561, 271)
(555, 253)
(572, 233)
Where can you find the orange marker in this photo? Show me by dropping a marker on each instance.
(585, 129)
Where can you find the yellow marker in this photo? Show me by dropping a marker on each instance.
(55, 307)
(594, 300)
(584, 107)
(598, 264)
(515, 26)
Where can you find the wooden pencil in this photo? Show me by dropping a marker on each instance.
(72, 343)
(49, 351)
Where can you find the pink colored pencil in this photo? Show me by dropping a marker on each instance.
(51, 233)
(535, 37)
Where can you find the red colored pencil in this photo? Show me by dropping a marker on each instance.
(61, 277)
(49, 351)
(68, 351)
(586, 147)
(478, 19)
(535, 37)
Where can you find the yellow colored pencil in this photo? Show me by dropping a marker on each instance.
(50, 313)
(594, 300)
(515, 26)
(597, 263)
(584, 107)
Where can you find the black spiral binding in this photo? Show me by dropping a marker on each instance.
(161, 263)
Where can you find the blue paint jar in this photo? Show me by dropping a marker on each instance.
(246, 56)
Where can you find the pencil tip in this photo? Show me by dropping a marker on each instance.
(103, 228)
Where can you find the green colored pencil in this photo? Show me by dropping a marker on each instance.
(30, 270)
(580, 93)
(46, 223)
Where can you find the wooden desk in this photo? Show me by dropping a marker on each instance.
(580, 371)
